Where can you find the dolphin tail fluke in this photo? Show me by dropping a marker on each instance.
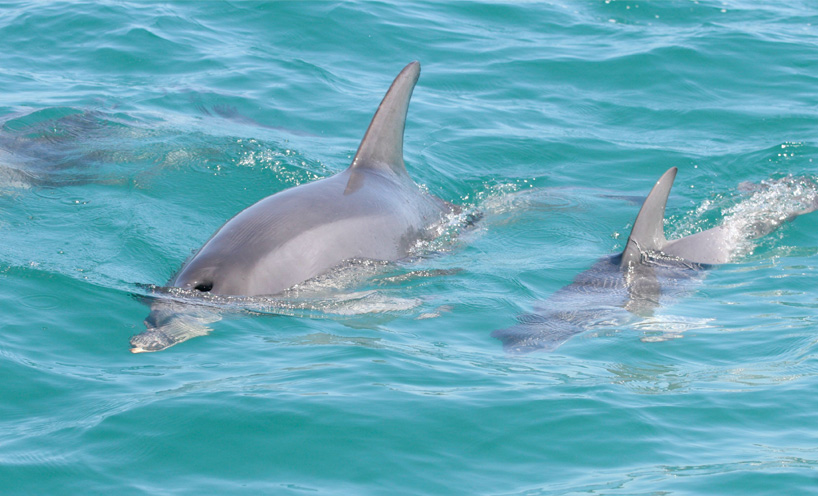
(382, 145)
(648, 233)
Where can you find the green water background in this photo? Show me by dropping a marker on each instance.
(131, 131)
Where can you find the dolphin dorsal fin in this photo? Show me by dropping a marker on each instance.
(648, 231)
(382, 146)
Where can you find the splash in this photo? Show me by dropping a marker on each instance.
(661, 328)
(762, 208)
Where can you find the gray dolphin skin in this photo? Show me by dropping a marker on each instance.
(631, 283)
(372, 210)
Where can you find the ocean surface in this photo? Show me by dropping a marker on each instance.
(130, 131)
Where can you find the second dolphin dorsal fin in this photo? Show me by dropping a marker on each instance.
(648, 233)
(382, 145)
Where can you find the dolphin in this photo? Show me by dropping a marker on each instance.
(372, 210)
(49, 147)
(632, 282)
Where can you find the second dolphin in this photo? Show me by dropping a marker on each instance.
(651, 266)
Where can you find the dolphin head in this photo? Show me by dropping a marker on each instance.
(226, 266)
(202, 274)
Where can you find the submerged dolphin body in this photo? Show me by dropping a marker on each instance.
(632, 282)
(372, 210)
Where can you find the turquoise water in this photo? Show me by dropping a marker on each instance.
(131, 131)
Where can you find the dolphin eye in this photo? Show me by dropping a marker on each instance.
(204, 287)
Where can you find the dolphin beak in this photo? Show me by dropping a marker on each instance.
(175, 330)
(139, 350)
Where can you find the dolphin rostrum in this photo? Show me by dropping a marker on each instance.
(633, 281)
(372, 210)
